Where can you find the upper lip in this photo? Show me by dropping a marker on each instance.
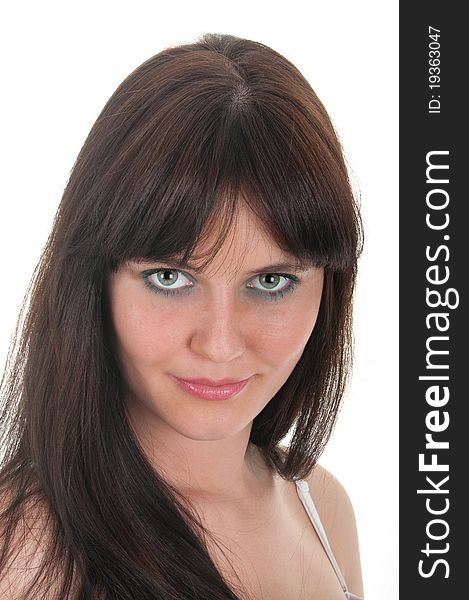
(212, 382)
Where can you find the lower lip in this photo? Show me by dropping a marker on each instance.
(220, 392)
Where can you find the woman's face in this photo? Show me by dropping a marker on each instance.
(233, 320)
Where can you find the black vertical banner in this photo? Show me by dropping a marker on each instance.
(434, 268)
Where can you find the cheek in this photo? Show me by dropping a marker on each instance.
(284, 332)
(276, 334)
(134, 339)
(140, 331)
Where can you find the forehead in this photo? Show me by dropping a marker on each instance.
(246, 245)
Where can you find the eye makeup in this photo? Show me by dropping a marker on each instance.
(292, 282)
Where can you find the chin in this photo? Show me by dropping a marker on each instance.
(206, 427)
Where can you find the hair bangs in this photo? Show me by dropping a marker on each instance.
(253, 159)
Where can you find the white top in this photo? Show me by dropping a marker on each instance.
(304, 494)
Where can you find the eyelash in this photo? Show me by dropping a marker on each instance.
(272, 296)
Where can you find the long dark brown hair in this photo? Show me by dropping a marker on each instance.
(187, 136)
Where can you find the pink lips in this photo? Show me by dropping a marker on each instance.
(209, 389)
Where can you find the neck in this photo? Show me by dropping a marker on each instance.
(218, 470)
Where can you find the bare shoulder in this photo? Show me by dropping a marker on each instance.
(26, 551)
(338, 518)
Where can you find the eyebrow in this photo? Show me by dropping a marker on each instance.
(275, 268)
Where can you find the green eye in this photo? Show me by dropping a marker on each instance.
(273, 280)
(164, 281)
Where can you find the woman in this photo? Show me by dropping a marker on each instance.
(192, 306)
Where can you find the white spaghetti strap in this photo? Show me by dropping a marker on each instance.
(305, 497)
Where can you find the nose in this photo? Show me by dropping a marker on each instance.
(217, 332)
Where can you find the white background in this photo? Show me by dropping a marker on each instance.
(60, 64)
